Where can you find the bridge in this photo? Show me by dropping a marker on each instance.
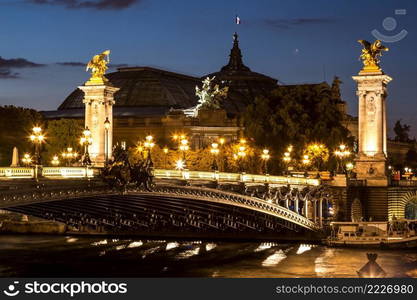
(185, 202)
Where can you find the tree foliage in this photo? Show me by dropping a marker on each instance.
(16, 124)
(297, 115)
(61, 134)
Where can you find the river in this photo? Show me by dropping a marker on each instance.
(83, 256)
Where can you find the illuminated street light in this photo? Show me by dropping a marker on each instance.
(69, 155)
(265, 157)
(165, 150)
(149, 144)
(341, 153)
(306, 160)
(215, 151)
(37, 139)
(86, 141)
(27, 160)
(55, 160)
(222, 141)
(180, 164)
(107, 126)
(183, 147)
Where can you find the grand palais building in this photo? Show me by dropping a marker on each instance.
(157, 101)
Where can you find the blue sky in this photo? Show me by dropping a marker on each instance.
(295, 41)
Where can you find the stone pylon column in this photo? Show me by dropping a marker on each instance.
(372, 154)
(99, 100)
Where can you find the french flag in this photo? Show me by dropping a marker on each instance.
(237, 20)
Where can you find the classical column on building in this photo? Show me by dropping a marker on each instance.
(99, 100)
(372, 94)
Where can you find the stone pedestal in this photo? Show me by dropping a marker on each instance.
(99, 100)
(371, 158)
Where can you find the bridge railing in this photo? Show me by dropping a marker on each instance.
(82, 172)
(17, 172)
(49, 172)
(223, 176)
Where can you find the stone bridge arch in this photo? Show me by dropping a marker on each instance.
(403, 205)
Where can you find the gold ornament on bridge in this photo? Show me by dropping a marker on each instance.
(98, 66)
(370, 55)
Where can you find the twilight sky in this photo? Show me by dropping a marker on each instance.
(43, 43)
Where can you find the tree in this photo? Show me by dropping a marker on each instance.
(401, 132)
(61, 134)
(318, 154)
(16, 124)
(296, 115)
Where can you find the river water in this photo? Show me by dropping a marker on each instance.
(80, 256)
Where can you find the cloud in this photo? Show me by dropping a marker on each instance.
(71, 64)
(7, 64)
(17, 63)
(7, 74)
(92, 4)
(291, 23)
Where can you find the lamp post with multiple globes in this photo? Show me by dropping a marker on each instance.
(214, 151)
(27, 160)
(149, 144)
(107, 125)
(265, 157)
(86, 140)
(69, 155)
(341, 153)
(37, 139)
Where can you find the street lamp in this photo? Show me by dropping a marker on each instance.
(107, 125)
(265, 157)
(149, 144)
(27, 160)
(215, 151)
(287, 158)
(165, 150)
(306, 159)
(55, 161)
(341, 153)
(86, 141)
(184, 147)
(180, 164)
(69, 155)
(241, 155)
(37, 139)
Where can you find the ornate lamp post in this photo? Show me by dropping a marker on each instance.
(306, 160)
(149, 144)
(265, 157)
(184, 147)
(86, 141)
(55, 161)
(27, 160)
(241, 154)
(37, 139)
(69, 155)
(215, 151)
(341, 153)
(107, 125)
(287, 159)
(165, 150)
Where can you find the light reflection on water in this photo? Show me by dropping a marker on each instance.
(79, 256)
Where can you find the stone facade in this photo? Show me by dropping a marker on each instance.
(99, 100)
(371, 159)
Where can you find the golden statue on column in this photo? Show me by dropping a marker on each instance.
(370, 55)
(99, 101)
(98, 66)
(372, 120)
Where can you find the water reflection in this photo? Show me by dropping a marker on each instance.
(79, 256)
